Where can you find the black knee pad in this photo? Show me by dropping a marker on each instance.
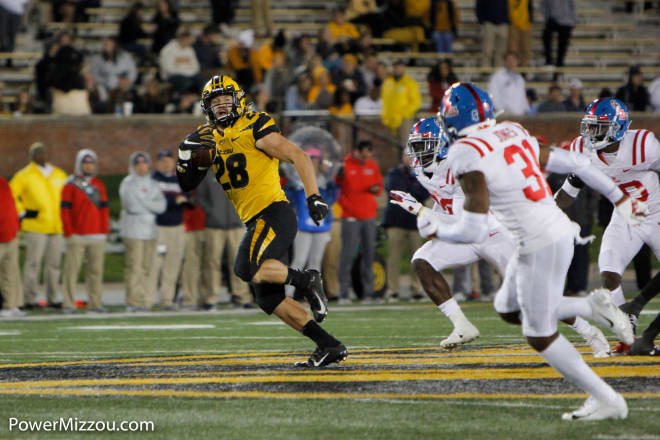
(243, 269)
(268, 296)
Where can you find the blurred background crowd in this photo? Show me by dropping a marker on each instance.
(386, 59)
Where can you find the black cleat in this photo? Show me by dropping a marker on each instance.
(644, 347)
(325, 356)
(316, 296)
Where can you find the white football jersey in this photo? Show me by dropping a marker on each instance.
(633, 167)
(442, 187)
(447, 193)
(520, 197)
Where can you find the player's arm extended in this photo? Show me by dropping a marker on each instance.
(472, 227)
(561, 161)
(277, 146)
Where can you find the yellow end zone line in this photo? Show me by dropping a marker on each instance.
(266, 395)
(486, 355)
(458, 374)
(426, 360)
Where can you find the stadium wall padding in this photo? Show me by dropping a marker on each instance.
(114, 138)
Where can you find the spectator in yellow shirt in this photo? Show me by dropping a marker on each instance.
(320, 96)
(401, 100)
(340, 29)
(37, 191)
(341, 105)
(520, 29)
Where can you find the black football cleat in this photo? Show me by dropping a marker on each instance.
(325, 356)
(315, 295)
(644, 347)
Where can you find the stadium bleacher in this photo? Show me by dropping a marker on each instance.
(606, 41)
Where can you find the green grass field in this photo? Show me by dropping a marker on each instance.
(230, 375)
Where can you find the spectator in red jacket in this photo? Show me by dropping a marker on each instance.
(85, 219)
(193, 221)
(359, 183)
(10, 280)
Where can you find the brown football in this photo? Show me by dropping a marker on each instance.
(202, 158)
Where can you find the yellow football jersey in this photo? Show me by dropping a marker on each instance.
(249, 176)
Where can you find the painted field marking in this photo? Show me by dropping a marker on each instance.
(9, 332)
(271, 395)
(370, 376)
(142, 327)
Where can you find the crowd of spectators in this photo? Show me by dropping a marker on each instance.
(157, 65)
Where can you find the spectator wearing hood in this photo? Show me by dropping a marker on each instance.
(37, 189)
(634, 94)
(10, 282)
(141, 200)
(86, 220)
(171, 233)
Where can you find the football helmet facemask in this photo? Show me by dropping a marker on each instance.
(427, 144)
(223, 85)
(604, 123)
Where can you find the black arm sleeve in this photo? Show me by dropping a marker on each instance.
(189, 175)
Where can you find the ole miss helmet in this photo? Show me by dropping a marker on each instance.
(604, 122)
(465, 108)
(427, 143)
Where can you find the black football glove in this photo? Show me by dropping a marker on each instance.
(317, 207)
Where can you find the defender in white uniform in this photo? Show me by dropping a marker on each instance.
(631, 158)
(427, 148)
(499, 168)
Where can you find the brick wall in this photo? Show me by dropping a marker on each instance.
(115, 138)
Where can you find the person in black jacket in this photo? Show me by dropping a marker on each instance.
(167, 23)
(634, 94)
(132, 28)
(401, 227)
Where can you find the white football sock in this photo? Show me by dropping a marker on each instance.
(573, 307)
(566, 360)
(617, 296)
(582, 327)
(449, 307)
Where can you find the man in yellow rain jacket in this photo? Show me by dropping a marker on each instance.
(37, 189)
(401, 100)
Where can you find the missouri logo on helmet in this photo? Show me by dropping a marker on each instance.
(223, 85)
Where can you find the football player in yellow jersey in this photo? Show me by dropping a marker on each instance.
(244, 149)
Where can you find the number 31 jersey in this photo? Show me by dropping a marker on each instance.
(520, 197)
(249, 176)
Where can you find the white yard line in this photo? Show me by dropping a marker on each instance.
(142, 327)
